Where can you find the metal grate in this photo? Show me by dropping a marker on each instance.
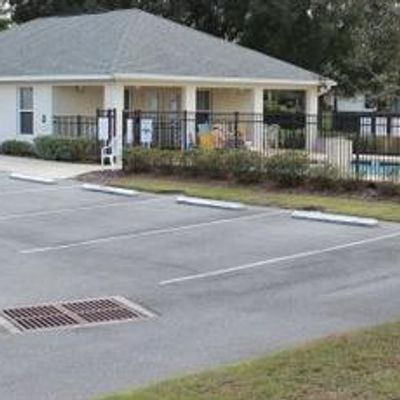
(73, 314)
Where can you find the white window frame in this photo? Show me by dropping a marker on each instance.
(21, 110)
(209, 93)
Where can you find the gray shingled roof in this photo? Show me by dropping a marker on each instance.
(131, 42)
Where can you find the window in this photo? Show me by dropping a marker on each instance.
(204, 107)
(25, 110)
(203, 100)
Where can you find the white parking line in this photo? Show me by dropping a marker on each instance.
(263, 263)
(76, 209)
(152, 232)
(26, 191)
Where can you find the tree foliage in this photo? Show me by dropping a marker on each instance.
(4, 17)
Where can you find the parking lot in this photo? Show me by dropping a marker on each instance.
(224, 285)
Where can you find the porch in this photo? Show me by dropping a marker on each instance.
(177, 116)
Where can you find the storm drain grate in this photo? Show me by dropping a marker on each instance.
(74, 313)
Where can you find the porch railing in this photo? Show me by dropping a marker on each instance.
(75, 126)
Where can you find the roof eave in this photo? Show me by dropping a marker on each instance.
(215, 80)
(160, 78)
(54, 78)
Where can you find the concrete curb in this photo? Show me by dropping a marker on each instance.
(194, 201)
(35, 179)
(335, 218)
(109, 190)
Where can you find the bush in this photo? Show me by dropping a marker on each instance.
(18, 148)
(287, 169)
(245, 166)
(242, 166)
(65, 149)
(324, 177)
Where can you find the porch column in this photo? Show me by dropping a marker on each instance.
(189, 105)
(114, 99)
(43, 109)
(311, 118)
(257, 109)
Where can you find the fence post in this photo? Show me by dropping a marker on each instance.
(79, 125)
(97, 140)
(236, 129)
(137, 124)
(357, 148)
(185, 133)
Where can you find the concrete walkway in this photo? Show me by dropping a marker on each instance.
(43, 168)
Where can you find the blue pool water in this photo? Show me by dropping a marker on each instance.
(377, 169)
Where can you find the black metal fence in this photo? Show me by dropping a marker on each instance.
(99, 129)
(184, 130)
(362, 146)
(75, 126)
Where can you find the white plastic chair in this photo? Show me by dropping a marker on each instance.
(108, 154)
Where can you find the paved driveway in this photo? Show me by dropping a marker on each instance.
(43, 168)
(225, 285)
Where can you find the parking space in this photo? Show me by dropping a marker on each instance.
(224, 284)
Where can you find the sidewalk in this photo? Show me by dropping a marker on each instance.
(43, 168)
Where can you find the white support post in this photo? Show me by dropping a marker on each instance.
(43, 109)
(258, 118)
(114, 99)
(189, 104)
(312, 118)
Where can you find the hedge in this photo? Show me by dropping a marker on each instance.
(19, 148)
(65, 149)
(288, 169)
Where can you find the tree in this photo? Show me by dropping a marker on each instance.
(4, 17)
(375, 55)
(224, 18)
(356, 42)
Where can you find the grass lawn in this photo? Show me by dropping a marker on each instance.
(384, 210)
(360, 366)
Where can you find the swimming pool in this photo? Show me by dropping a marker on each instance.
(377, 169)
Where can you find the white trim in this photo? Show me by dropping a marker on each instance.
(167, 78)
(55, 78)
(202, 79)
(25, 110)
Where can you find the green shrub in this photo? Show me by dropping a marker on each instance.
(288, 169)
(18, 148)
(242, 166)
(65, 149)
(323, 177)
(245, 166)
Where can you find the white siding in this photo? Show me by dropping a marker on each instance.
(76, 100)
(8, 112)
(232, 100)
